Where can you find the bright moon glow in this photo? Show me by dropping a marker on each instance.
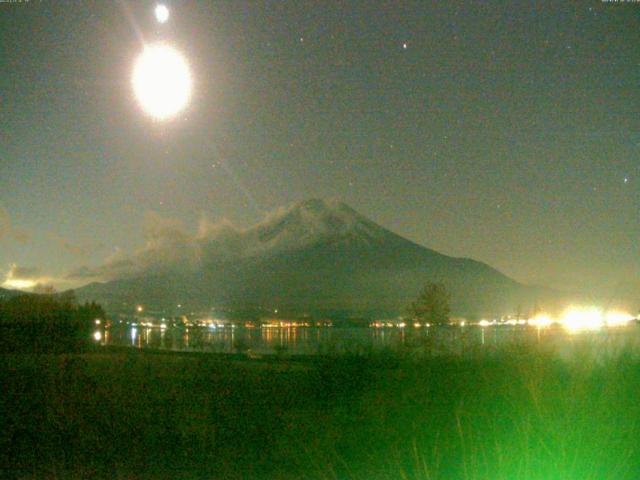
(161, 81)
(162, 13)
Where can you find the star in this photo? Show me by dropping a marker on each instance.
(626, 179)
(404, 46)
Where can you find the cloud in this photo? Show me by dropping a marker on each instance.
(27, 273)
(117, 265)
(69, 247)
(21, 235)
(5, 223)
(167, 247)
(7, 230)
(170, 248)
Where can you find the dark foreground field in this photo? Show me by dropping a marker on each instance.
(520, 414)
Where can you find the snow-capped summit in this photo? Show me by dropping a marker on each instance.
(288, 229)
(311, 221)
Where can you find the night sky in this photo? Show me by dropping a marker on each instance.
(508, 132)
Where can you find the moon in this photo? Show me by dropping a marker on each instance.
(161, 81)
(162, 13)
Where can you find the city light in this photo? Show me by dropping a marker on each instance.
(134, 334)
(541, 321)
(97, 336)
(576, 319)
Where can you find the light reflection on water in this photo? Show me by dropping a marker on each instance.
(334, 340)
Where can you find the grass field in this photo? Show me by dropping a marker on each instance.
(515, 414)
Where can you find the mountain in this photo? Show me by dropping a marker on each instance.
(317, 256)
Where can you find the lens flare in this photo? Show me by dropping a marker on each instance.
(162, 81)
(577, 319)
(618, 319)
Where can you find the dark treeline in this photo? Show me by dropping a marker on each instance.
(47, 323)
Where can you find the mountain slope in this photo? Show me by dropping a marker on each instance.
(316, 257)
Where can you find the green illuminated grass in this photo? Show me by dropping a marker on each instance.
(514, 414)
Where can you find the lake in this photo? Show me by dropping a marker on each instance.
(336, 340)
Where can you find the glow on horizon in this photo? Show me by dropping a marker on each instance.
(18, 284)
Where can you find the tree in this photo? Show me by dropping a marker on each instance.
(47, 323)
(432, 304)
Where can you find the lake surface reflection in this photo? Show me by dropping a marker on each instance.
(336, 340)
